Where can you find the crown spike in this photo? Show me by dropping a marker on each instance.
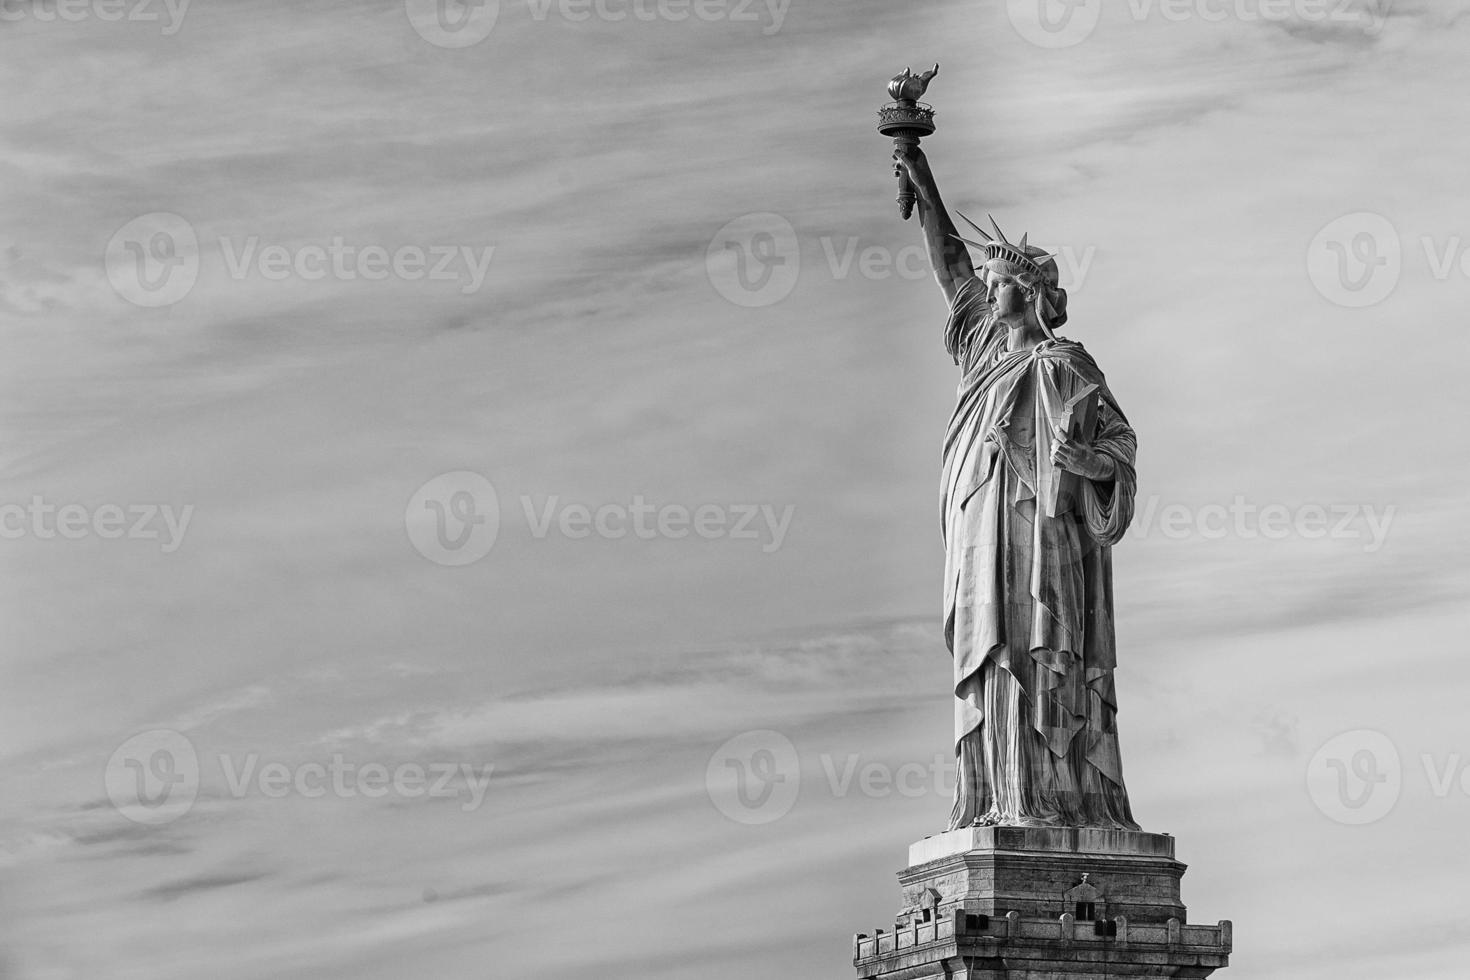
(983, 233)
(968, 242)
(1025, 240)
(1000, 236)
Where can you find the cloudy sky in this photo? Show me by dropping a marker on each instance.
(272, 274)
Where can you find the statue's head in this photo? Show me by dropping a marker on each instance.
(1021, 276)
(1016, 283)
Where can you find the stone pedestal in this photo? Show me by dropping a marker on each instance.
(1024, 903)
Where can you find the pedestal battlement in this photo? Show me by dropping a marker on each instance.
(1031, 903)
(978, 947)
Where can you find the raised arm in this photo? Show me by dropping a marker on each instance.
(948, 255)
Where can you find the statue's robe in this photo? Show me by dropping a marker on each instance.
(1027, 595)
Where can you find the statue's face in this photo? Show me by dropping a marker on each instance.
(1008, 295)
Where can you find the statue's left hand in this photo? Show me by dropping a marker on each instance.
(1081, 459)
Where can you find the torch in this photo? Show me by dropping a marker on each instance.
(907, 119)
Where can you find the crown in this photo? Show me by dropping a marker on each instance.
(1030, 258)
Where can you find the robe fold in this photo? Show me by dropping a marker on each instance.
(1028, 605)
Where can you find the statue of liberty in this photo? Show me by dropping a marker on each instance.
(1038, 485)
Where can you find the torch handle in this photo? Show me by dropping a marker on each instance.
(906, 194)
